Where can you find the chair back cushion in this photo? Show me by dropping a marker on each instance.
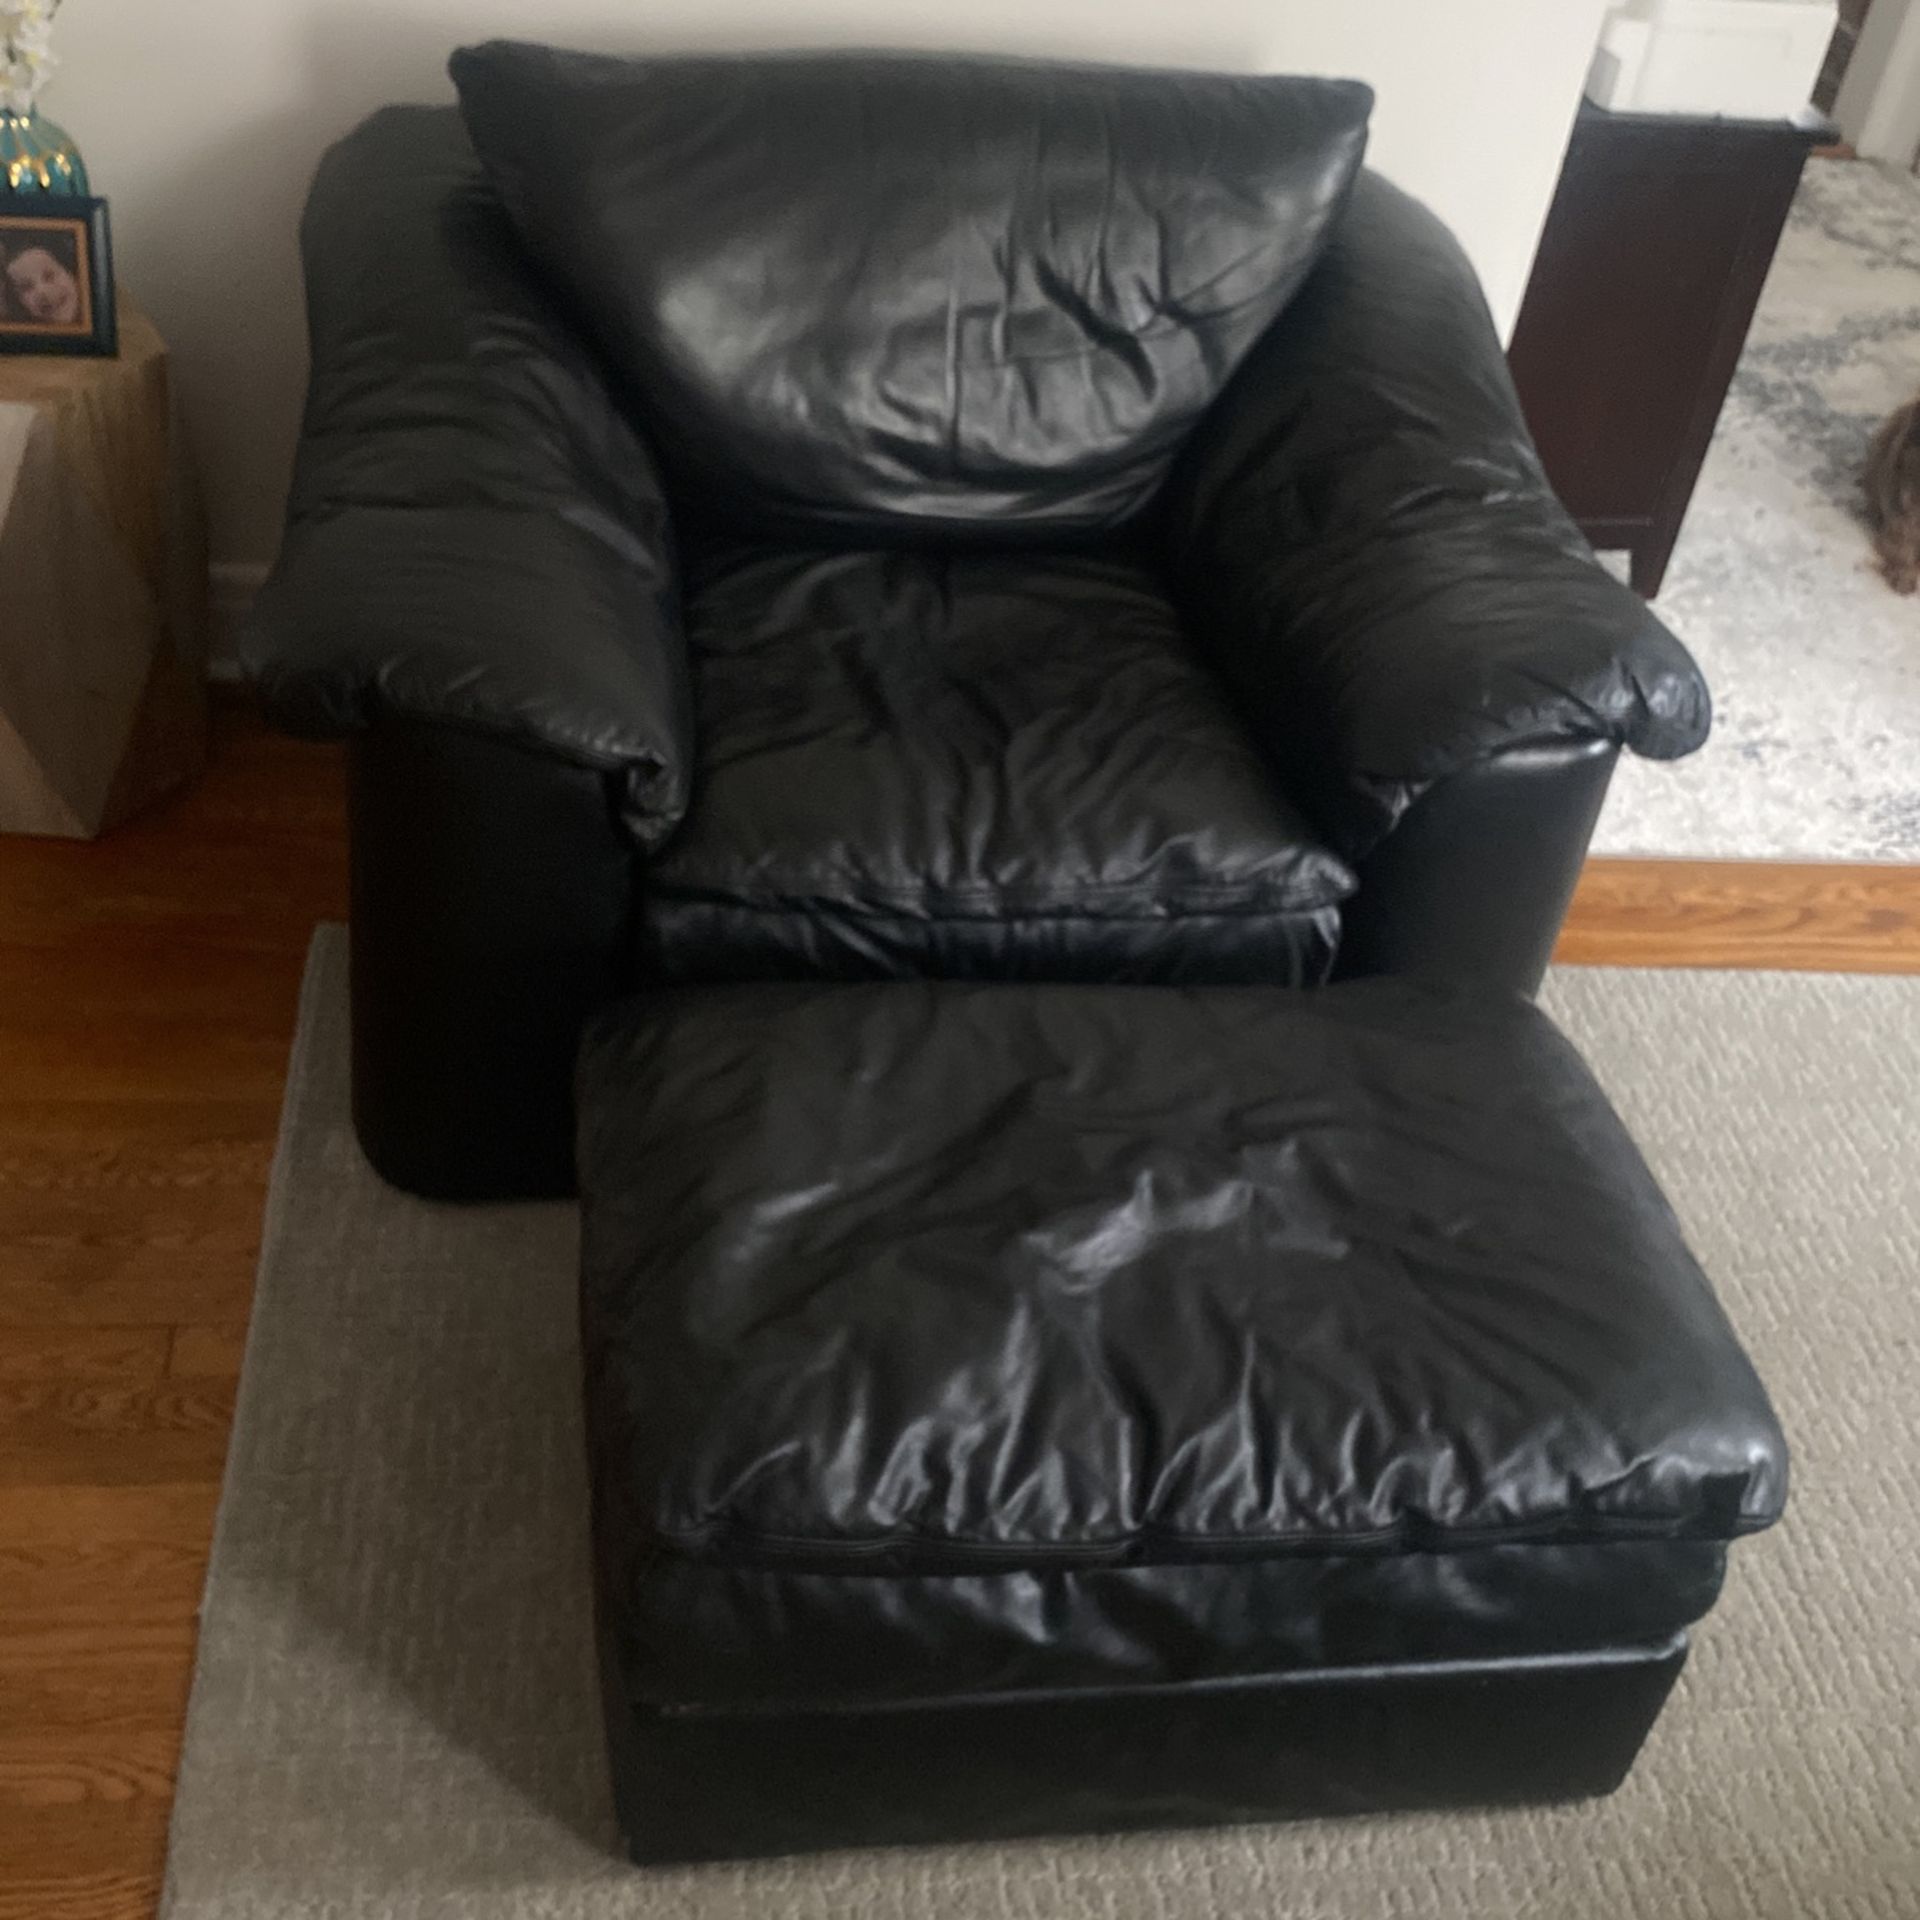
(887, 294)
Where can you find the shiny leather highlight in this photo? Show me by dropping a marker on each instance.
(860, 291)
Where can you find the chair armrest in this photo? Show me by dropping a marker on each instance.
(477, 536)
(1367, 547)
(1475, 879)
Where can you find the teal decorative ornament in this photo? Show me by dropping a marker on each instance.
(38, 157)
(35, 155)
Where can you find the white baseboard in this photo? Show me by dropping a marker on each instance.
(231, 585)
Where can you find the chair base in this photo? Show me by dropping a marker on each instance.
(699, 1786)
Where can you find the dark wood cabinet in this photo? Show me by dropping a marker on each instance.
(1655, 251)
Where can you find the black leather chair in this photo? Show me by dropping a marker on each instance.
(871, 516)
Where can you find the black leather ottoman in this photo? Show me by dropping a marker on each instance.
(1027, 1409)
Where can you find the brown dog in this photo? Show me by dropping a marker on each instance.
(1892, 481)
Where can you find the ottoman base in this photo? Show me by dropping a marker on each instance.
(726, 1786)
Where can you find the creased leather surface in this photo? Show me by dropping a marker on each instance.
(893, 1293)
(861, 291)
(1004, 765)
(1357, 528)
(476, 535)
(1366, 540)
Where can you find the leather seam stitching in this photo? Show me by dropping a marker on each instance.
(918, 1554)
(994, 906)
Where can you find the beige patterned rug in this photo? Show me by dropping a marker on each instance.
(394, 1712)
(1814, 661)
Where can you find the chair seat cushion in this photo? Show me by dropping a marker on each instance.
(973, 764)
(964, 1338)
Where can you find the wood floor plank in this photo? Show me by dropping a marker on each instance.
(130, 1680)
(104, 1280)
(107, 1258)
(126, 1356)
(146, 1063)
(100, 1567)
(68, 1846)
(137, 983)
(43, 1769)
(1737, 913)
(107, 1166)
(99, 1894)
(51, 1518)
(69, 1433)
(148, 1215)
(68, 1838)
(207, 1352)
(107, 1584)
(75, 1137)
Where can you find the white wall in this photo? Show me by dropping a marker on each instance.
(201, 122)
(1879, 104)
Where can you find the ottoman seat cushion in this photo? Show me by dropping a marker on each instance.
(948, 1340)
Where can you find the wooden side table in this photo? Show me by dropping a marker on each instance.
(1656, 247)
(103, 571)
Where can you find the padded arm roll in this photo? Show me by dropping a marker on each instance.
(477, 537)
(1367, 545)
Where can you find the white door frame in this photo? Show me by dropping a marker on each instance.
(1879, 104)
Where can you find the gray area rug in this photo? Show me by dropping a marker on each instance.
(1814, 662)
(394, 1711)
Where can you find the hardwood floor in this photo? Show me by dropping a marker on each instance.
(147, 991)
(1744, 913)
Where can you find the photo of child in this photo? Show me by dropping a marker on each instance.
(56, 275)
(42, 276)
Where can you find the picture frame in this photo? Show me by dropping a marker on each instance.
(56, 275)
